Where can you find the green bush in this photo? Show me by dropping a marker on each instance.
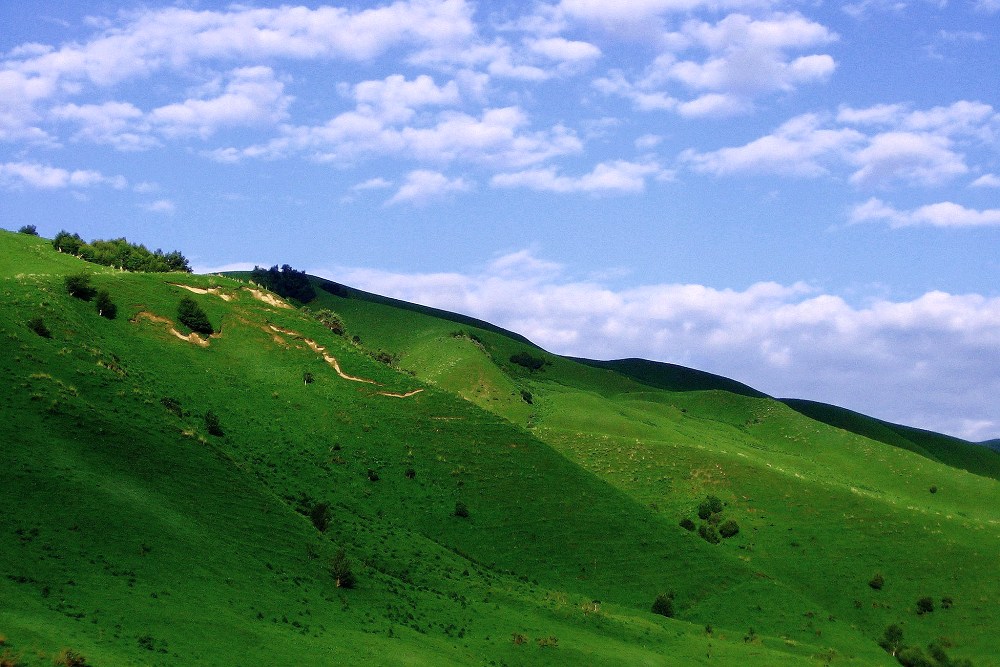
(711, 505)
(708, 533)
(729, 529)
(308, 378)
(193, 317)
(461, 510)
(330, 320)
(212, 424)
(105, 306)
(37, 324)
(320, 516)
(30, 230)
(172, 405)
(925, 605)
(528, 361)
(340, 570)
(877, 582)
(687, 524)
(664, 605)
(78, 286)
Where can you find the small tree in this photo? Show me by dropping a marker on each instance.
(30, 230)
(664, 605)
(340, 570)
(193, 317)
(708, 533)
(892, 640)
(105, 306)
(711, 505)
(687, 524)
(877, 582)
(212, 424)
(925, 605)
(78, 286)
(307, 378)
(461, 510)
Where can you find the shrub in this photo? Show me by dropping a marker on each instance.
(526, 397)
(912, 656)
(340, 570)
(708, 533)
(711, 505)
(320, 516)
(528, 361)
(729, 529)
(30, 230)
(664, 605)
(947, 603)
(105, 306)
(925, 605)
(78, 286)
(193, 317)
(687, 524)
(877, 582)
(37, 324)
(307, 378)
(373, 476)
(933, 489)
(386, 358)
(212, 424)
(70, 658)
(173, 405)
(461, 510)
(410, 473)
(330, 320)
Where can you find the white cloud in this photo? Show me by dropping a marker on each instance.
(252, 97)
(377, 183)
(800, 147)
(915, 158)
(986, 181)
(422, 186)
(739, 59)
(943, 214)
(787, 340)
(16, 175)
(987, 6)
(615, 176)
(498, 137)
(395, 100)
(161, 206)
(119, 124)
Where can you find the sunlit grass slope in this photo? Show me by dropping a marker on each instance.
(134, 536)
(821, 507)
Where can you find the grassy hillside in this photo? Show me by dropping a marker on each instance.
(492, 512)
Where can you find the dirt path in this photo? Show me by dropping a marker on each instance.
(406, 395)
(190, 338)
(269, 299)
(217, 291)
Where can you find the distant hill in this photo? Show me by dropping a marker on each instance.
(673, 377)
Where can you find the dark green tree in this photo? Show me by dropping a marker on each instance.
(285, 282)
(892, 639)
(729, 529)
(37, 324)
(925, 605)
(320, 516)
(105, 306)
(664, 605)
(30, 230)
(877, 582)
(461, 510)
(193, 317)
(78, 286)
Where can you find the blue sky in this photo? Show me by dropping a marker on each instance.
(800, 195)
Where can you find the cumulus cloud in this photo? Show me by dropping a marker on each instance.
(161, 206)
(875, 147)
(422, 186)
(734, 61)
(930, 361)
(615, 176)
(986, 181)
(17, 175)
(943, 214)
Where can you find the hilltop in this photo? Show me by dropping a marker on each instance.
(175, 497)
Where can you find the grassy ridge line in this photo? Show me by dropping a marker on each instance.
(89, 425)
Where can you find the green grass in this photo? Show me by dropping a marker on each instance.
(132, 535)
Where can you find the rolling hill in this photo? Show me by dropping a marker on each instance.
(176, 499)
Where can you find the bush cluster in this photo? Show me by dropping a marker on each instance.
(121, 253)
(664, 605)
(193, 317)
(528, 361)
(285, 282)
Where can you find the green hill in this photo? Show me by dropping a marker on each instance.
(174, 499)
